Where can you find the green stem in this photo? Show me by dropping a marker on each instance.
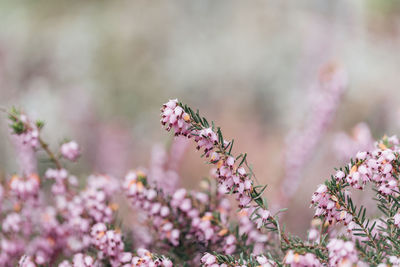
(51, 155)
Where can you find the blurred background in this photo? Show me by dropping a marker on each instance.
(99, 71)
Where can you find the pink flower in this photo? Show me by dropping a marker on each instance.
(342, 252)
(173, 117)
(70, 150)
(339, 175)
(313, 234)
(301, 260)
(12, 223)
(83, 260)
(186, 205)
(230, 161)
(397, 219)
(208, 259)
(261, 259)
(174, 237)
(263, 217)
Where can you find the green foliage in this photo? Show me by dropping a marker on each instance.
(16, 125)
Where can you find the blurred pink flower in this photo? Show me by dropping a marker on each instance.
(70, 150)
(25, 154)
(325, 96)
(346, 146)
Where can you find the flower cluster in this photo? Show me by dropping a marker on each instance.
(210, 260)
(43, 231)
(27, 131)
(375, 166)
(40, 227)
(109, 243)
(181, 217)
(328, 206)
(56, 219)
(26, 187)
(174, 117)
(79, 259)
(342, 253)
(301, 260)
(70, 150)
(60, 177)
(144, 258)
(301, 144)
(145, 198)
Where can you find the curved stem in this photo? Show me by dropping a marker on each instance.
(51, 155)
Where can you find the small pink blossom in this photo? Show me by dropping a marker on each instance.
(70, 150)
(397, 219)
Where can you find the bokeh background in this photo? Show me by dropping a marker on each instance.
(98, 71)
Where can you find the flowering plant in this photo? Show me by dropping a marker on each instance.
(50, 220)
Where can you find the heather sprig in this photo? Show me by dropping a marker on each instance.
(67, 225)
(333, 200)
(30, 132)
(233, 172)
(374, 239)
